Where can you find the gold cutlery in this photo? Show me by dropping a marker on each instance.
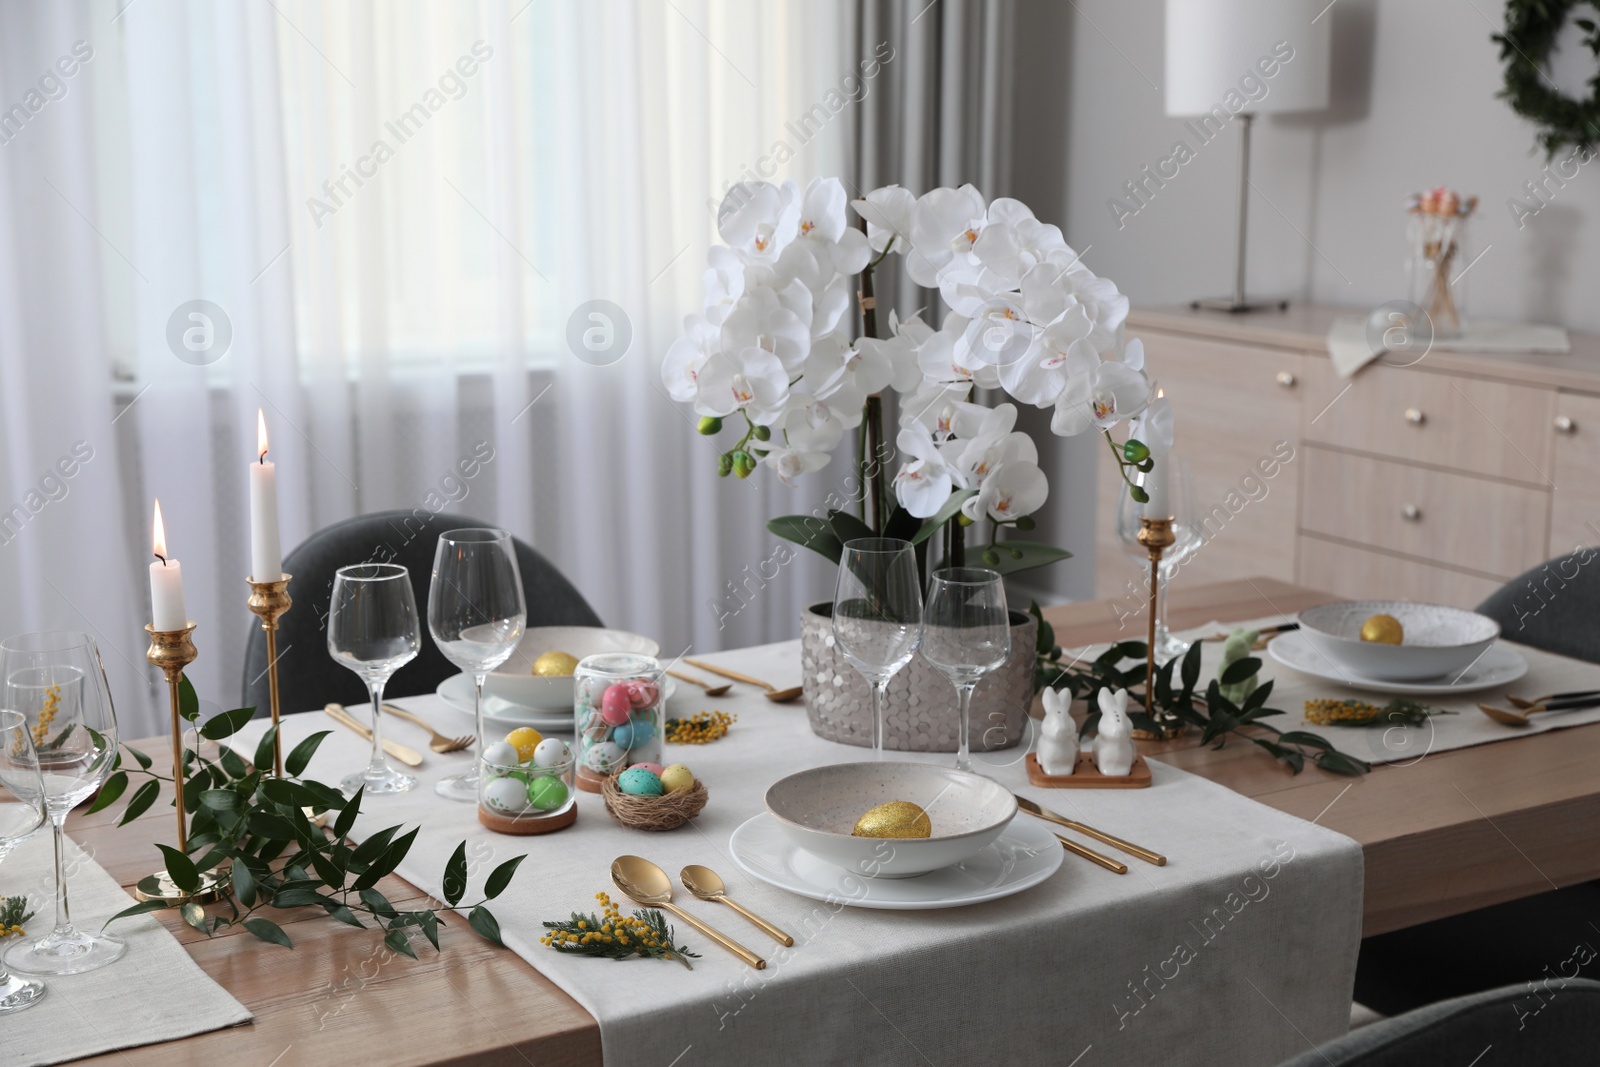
(1524, 702)
(437, 741)
(774, 694)
(711, 690)
(409, 756)
(1520, 718)
(706, 884)
(645, 883)
(1088, 831)
(1092, 856)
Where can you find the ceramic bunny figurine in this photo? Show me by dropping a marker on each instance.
(1113, 745)
(1058, 741)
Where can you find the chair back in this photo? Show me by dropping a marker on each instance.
(1554, 607)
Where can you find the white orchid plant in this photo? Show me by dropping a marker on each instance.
(775, 348)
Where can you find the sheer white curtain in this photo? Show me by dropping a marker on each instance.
(397, 207)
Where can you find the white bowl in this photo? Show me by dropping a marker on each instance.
(818, 808)
(1438, 641)
(516, 682)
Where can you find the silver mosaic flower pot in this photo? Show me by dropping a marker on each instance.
(919, 713)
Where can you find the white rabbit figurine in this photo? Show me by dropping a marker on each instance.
(1113, 745)
(1058, 741)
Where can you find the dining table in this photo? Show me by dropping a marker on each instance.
(1442, 833)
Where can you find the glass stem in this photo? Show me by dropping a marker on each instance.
(477, 710)
(63, 909)
(379, 766)
(964, 714)
(880, 689)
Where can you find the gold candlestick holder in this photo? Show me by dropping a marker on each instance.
(172, 651)
(1156, 536)
(270, 600)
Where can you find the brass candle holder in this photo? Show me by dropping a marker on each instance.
(270, 600)
(1156, 536)
(172, 651)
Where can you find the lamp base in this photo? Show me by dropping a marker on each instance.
(1237, 307)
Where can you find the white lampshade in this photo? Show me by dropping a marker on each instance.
(1213, 46)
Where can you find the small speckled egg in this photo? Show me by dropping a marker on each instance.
(677, 777)
(501, 754)
(508, 796)
(551, 752)
(636, 781)
(524, 739)
(634, 734)
(615, 705)
(547, 794)
(643, 694)
(653, 768)
(603, 756)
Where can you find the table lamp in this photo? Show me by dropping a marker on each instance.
(1236, 59)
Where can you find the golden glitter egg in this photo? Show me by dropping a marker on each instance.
(898, 818)
(555, 665)
(1383, 630)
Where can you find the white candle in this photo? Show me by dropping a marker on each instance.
(1159, 506)
(1157, 483)
(266, 557)
(166, 582)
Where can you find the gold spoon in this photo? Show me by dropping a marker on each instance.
(711, 690)
(1506, 716)
(706, 884)
(645, 883)
(1512, 718)
(774, 694)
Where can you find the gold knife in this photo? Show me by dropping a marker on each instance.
(409, 756)
(1088, 831)
(1092, 856)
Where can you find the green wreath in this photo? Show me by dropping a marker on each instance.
(1531, 30)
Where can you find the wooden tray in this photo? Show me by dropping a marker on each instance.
(1085, 775)
(522, 825)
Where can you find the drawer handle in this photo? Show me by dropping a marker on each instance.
(1286, 379)
(1411, 513)
(1564, 424)
(1415, 416)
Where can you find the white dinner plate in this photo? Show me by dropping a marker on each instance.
(1498, 665)
(1022, 857)
(457, 692)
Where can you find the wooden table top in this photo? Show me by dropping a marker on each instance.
(1451, 832)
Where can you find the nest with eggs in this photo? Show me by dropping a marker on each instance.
(666, 812)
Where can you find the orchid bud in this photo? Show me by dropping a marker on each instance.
(1025, 523)
(763, 433)
(709, 425)
(991, 557)
(1138, 494)
(963, 520)
(1135, 450)
(743, 463)
(724, 465)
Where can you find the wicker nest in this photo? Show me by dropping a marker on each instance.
(653, 813)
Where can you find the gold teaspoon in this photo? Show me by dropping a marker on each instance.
(706, 884)
(645, 883)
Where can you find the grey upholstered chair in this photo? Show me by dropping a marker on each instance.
(309, 678)
(1554, 1022)
(1553, 606)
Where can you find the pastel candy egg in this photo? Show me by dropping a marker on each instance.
(501, 754)
(653, 768)
(508, 796)
(603, 755)
(677, 777)
(643, 694)
(551, 752)
(639, 782)
(547, 794)
(524, 739)
(633, 734)
(615, 705)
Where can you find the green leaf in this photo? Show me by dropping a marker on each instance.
(267, 930)
(373, 847)
(1341, 763)
(343, 914)
(143, 760)
(60, 739)
(244, 884)
(181, 869)
(945, 513)
(347, 817)
(455, 876)
(396, 939)
(296, 898)
(295, 762)
(500, 877)
(846, 527)
(287, 792)
(328, 871)
(486, 924)
(387, 862)
(1240, 670)
(1258, 696)
(226, 723)
(430, 927)
(188, 702)
(195, 916)
(141, 800)
(264, 749)
(221, 799)
(1191, 669)
(902, 525)
(272, 827)
(810, 531)
(377, 902)
(113, 788)
(1290, 756)
(144, 907)
(234, 764)
(1309, 740)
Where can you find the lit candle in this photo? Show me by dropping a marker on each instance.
(266, 557)
(1156, 481)
(166, 582)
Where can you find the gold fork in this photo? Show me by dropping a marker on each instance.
(437, 741)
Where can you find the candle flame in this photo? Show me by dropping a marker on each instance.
(261, 437)
(1160, 393)
(158, 536)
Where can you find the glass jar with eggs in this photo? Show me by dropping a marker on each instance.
(619, 713)
(526, 784)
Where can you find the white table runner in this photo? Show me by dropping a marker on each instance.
(155, 992)
(1240, 951)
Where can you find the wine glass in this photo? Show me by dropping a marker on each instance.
(1189, 539)
(22, 813)
(877, 612)
(966, 633)
(476, 615)
(372, 629)
(58, 684)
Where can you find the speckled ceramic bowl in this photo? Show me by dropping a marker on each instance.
(818, 808)
(1439, 641)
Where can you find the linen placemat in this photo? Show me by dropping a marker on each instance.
(1241, 950)
(155, 992)
(1350, 349)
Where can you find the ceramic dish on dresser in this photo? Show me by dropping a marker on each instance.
(1022, 856)
(1439, 642)
(515, 681)
(1500, 664)
(456, 691)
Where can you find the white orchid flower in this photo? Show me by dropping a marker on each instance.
(1108, 308)
(724, 281)
(1059, 353)
(751, 380)
(812, 425)
(945, 224)
(686, 356)
(888, 214)
(761, 320)
(758, 219)
(1013, 242)
(790, 463)
(943, 359)
(925, 481)
(1011, 491)
(998, 335)
(845, 375)
(974, 420)
(823, 222)
(900, 349)
(982, 456)
(1112, 392)
(935, 407)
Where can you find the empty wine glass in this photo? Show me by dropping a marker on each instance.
(372, 629)
(877, 613)
(1188, 541)
(58, 684)
(476, 615)
(966, 633)
(22, 813)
